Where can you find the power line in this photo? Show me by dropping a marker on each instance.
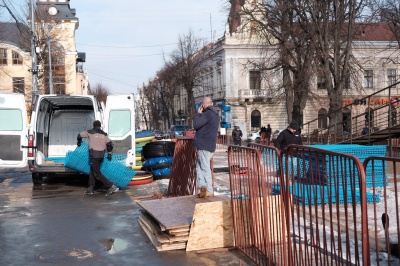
(127, 47)
(111, 79)
(125, 55)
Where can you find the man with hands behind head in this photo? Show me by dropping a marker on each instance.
(99, 142)
(206, 124)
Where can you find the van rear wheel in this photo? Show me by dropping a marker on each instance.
(37, 178)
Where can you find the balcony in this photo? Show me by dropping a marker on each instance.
(254, 94)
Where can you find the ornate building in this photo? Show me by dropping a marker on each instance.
(55, 26)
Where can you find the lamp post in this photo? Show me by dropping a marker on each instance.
(34, 69)
(52, 11)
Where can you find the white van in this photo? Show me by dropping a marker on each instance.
(56, 120)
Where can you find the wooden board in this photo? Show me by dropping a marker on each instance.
(212, 226)
(160, 240)
(175, 213)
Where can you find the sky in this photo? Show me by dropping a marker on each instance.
(126, 41)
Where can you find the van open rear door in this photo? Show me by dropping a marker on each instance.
(119, 123)
(13, 130)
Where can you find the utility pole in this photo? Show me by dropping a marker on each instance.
(34, 69)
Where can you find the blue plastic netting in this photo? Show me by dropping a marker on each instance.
(114, 170)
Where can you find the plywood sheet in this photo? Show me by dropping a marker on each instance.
(160, 240)
(211, 227)
(175, 213)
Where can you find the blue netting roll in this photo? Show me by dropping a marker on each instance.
(162, 171)
(156, 160)
(114, 170)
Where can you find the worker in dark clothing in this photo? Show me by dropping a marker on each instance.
(237, 136)
(287, 137)
(99, 142)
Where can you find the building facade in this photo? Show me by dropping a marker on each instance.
(250, 97)
(55, 26)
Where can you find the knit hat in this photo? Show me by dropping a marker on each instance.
(294, 125)
(97, 123)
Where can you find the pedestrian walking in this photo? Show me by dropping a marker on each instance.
(237, 136)
(268, 132)
(99, 142)
(263, 135)
(206, 124)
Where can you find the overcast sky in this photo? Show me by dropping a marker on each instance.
(124, 40)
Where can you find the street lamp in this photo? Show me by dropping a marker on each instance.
(52, 11)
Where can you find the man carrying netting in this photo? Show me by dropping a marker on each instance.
(99, 142)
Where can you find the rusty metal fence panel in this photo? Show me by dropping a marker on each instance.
(258, 217)
(183, 179)
(322, 198)
(326, 207)
(383, 217)
(183, 172)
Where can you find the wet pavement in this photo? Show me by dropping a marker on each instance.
(55, 223)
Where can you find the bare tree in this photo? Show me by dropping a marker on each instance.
(189, 60)
(285, 48)
(100, 91)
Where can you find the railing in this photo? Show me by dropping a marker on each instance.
(382, 114)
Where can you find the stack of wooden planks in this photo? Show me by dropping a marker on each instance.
(188, 222)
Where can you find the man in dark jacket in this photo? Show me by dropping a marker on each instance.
(99, 142)
(287, 137)
(206, 124)
(237, 136)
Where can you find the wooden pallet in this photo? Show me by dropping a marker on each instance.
(188, 223)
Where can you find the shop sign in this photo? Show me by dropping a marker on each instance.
(373, 101)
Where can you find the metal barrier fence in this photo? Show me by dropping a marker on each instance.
(258, 216)
(183, 171)
(223, 142)
(305, 207)
(383, 217)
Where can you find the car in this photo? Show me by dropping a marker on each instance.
(158, 134)
(179, 129)
(254, 137)
(190, 132)
(276, 133)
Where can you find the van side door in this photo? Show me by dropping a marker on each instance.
(119, 123)
(13, 130)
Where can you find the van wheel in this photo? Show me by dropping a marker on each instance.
(258, 140)
(37, 178)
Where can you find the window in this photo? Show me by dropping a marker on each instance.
(255, 80)
(321, 82)
(14, 118)
(253, 27)
(16, 58)
(119, 123)
(368, 78)
(3, 56)
(391, 74)
(19, 85)
(322, 118)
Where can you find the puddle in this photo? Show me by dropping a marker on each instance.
(65, 256)
(113, 245)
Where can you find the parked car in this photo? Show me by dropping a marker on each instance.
(158, 134)
(190, 132)
(276, 133)
(179, 129)
(254, 137)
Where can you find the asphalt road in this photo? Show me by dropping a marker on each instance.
(55, 224)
